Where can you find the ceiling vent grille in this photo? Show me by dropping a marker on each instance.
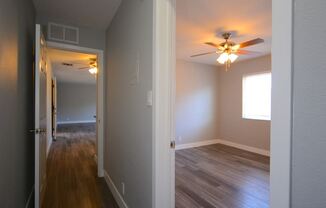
(63, 33)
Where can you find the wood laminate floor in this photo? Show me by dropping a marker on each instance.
(221, 176)
(72, 180)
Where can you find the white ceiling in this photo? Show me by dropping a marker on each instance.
(205, 21)
(87, 13)
(71, 74)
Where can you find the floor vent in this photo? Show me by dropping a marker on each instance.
(63, 33)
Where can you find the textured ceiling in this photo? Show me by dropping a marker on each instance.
(205, 20)
(87, 13)
(68, 73)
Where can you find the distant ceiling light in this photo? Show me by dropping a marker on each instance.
(93, 70)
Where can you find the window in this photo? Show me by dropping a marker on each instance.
(256, 96)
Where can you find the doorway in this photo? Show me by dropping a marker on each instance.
(91, 58)
(74, 87)
(75, 105)
(164, 53)
(222, 103)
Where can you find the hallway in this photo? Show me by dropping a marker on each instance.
(71, 171)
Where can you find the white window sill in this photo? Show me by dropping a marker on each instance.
(256, 118)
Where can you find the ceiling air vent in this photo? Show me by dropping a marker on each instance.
(63, 33)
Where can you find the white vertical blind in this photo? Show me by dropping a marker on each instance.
(256, 96)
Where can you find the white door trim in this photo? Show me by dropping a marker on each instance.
(37, 115)
(100, 97)
(281, 123)
(163, 101)
(281, 128)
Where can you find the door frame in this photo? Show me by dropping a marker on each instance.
(164, 56)
(54, 106)
(100, 97)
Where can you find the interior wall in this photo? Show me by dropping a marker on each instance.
(309, 101)
(232, 127)
(128, 145)
(196, 109)
(17, 31)
(76, 102)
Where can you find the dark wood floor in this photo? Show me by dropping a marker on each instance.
(221, 176)
(72, 180)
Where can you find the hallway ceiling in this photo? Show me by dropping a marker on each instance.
(71, 74)
(205, 20)
(96, 14)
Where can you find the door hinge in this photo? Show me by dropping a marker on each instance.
(172, 144)
(37, 131)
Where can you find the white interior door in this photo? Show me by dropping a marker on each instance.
(40, 116)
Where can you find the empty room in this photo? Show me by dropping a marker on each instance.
(222, 105)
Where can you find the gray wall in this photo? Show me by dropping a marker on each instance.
(196, 113)
(232, 127)
(16, 102)
(128, 145)
(76, 102)
(309, 105)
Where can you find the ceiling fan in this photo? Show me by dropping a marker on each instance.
(230, 51)
(92, 66)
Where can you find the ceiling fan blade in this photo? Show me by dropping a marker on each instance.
(212, 44)
(245, 52)
(251, 42)
(202, 54)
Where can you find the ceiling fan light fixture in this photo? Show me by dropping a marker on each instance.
(233, 57)
(226, 57)
(223, 58)
(229, 50)
(93, 70)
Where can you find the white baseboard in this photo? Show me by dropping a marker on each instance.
(75, 122)
(29, 199)
(246, 148)
(117, 196)
(225, 142)
(197, 144)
